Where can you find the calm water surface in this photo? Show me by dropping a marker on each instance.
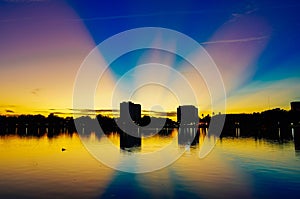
(236, 168)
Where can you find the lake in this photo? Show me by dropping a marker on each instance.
(37, 167)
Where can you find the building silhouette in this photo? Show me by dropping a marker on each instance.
(188, 119)
(130, 112)
(187, 115)
(295, 106)
(130, 117)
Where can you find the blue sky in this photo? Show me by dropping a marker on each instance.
(199, 20)
(255, 44)
(277, 61)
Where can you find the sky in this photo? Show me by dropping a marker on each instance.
(43, 43)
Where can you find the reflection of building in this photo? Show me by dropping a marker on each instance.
(128, 141)
(295, 106)
(187, 115)
(188, 136)
(296, 130)
(130, 112)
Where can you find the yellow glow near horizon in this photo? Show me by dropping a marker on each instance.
(38, 68)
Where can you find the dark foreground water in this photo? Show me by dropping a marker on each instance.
(236, 168)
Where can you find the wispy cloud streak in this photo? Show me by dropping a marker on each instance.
(236, 40)
(149, 15)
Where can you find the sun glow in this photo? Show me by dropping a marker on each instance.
(39, 68)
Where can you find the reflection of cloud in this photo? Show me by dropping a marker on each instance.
(236, 40)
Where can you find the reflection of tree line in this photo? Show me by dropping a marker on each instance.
(36, 125)
(272, 124)
(39, 125)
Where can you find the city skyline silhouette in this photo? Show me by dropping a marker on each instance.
(264, 124)
(149, 99)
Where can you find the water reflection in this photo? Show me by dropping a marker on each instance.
(188, 136)
(237, 167)
(130, 142)
(37, 167)
(296, 133)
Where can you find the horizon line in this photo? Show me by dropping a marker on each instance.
(95, 112)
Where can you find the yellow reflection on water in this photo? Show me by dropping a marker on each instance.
(114, 138)
(148, 143)
(37, 167)
(30, 163)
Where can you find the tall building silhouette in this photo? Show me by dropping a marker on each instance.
(295, 106)
(130, 136)
(187, 115)
(130, 112)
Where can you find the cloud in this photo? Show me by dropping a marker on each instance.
(159, 113)
(9, 111)
(151, 14)
(93, 110)
(112, 112)
(236, 40)
(8, 106)
(36, 91)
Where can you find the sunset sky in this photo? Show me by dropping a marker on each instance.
(254, 44)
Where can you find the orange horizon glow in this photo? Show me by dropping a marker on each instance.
(115, 114)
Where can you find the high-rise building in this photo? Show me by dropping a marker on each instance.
(187, 115)
(295, 106)
(130, 112)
